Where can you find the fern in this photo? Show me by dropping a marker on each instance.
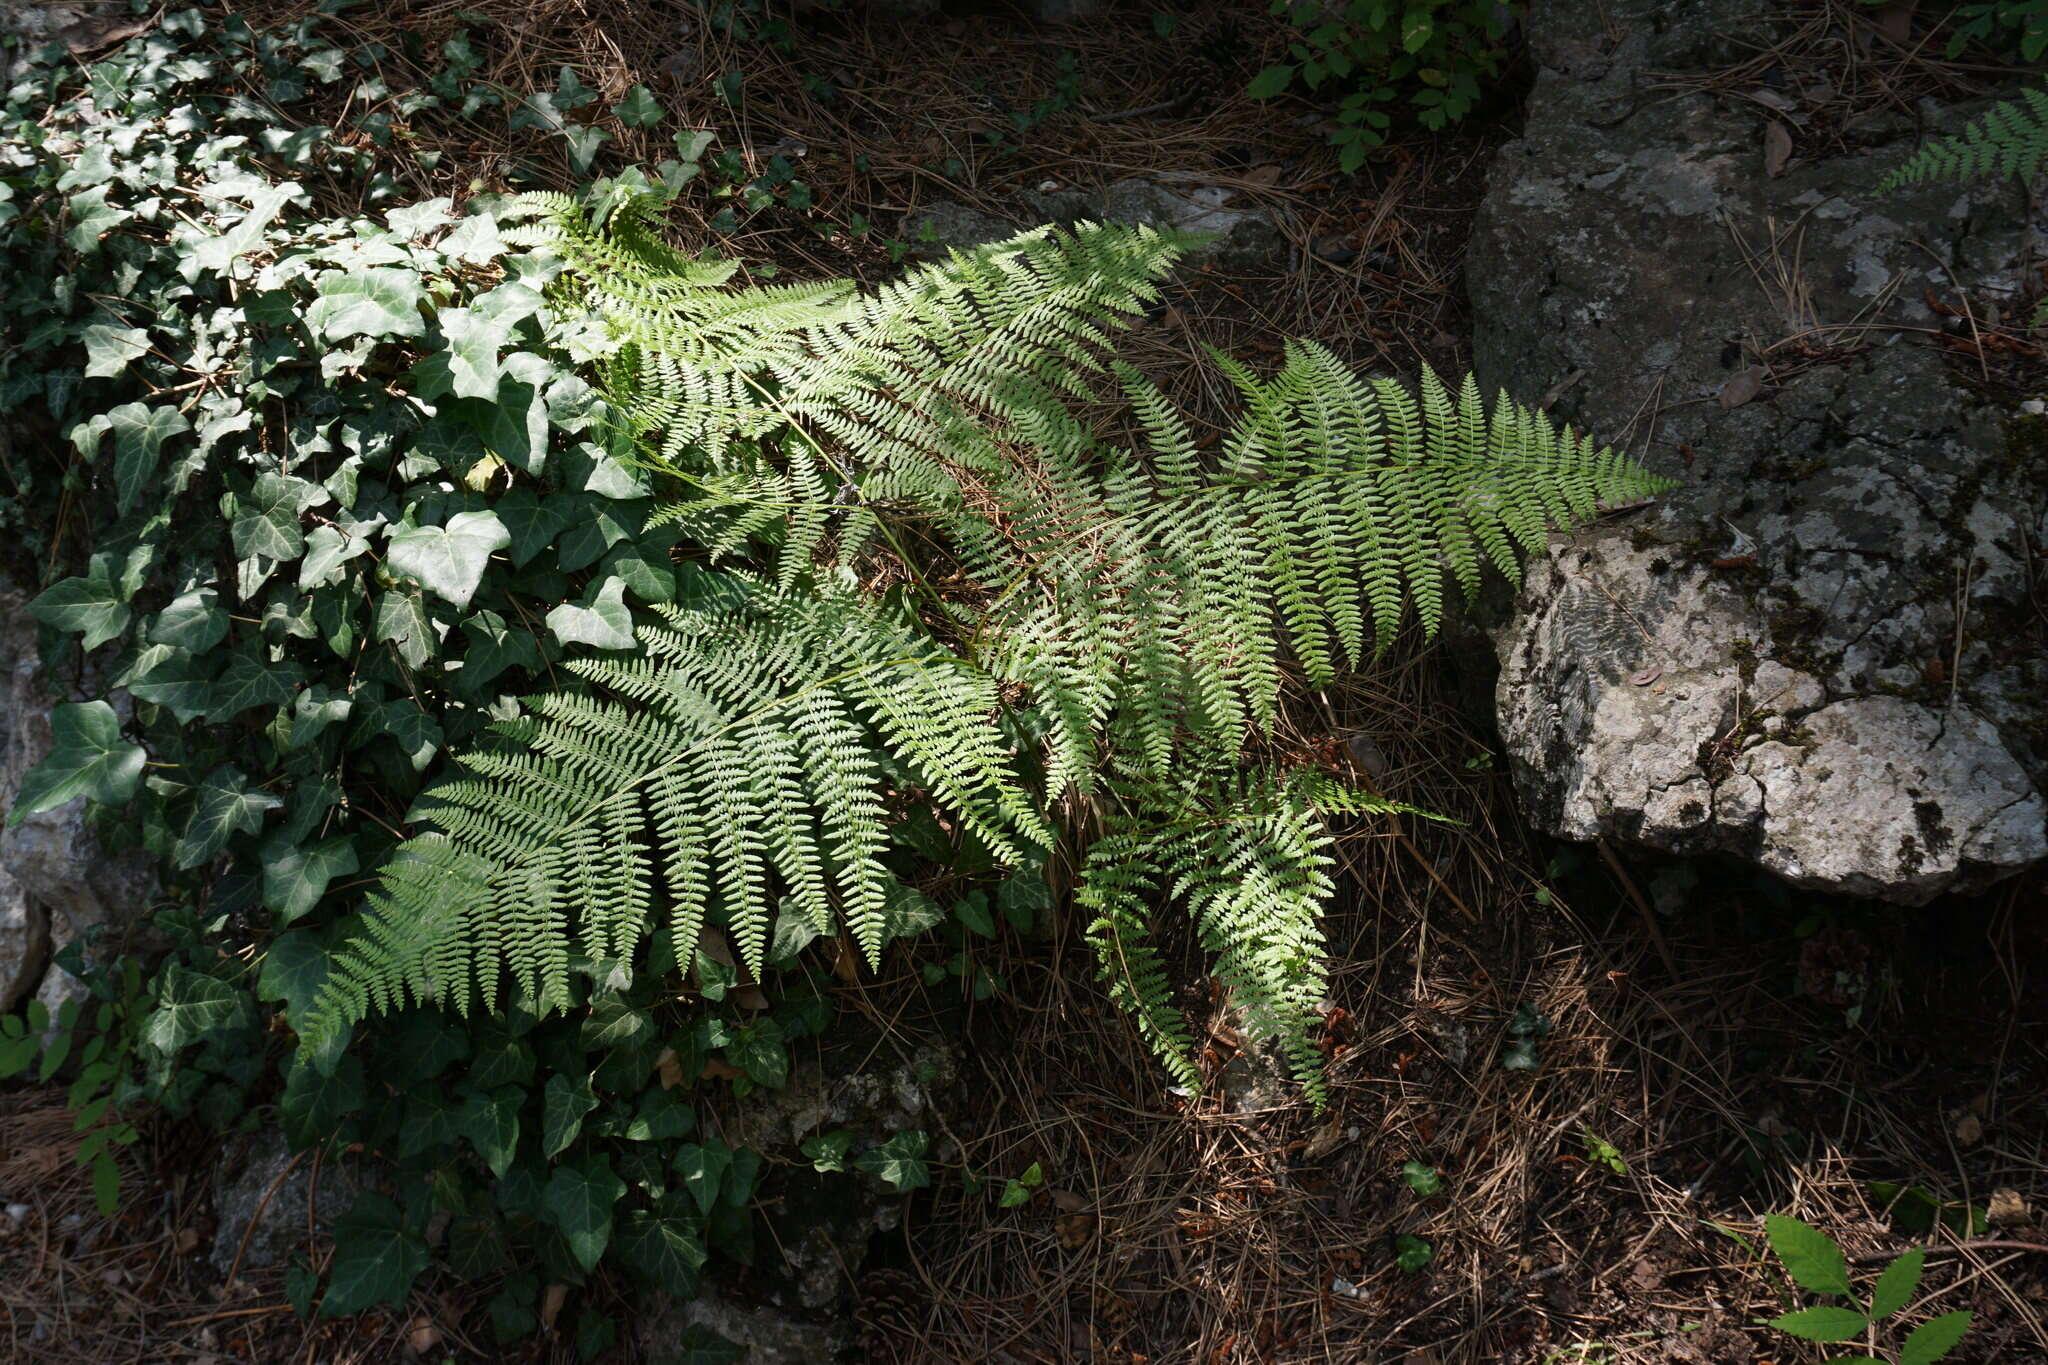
(1066, 565)
(2009, 139)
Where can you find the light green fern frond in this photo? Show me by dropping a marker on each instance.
(2009, 139)
(1070, 565)
(737, 754)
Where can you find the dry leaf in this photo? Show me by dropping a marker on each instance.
(1777, 148)
(1742, 387)
(422, 1337)
(1647, 676)
(1772, 99)
(1261, 177)
(1325, 1139)
(86, 34)
(716, 1070)
(1074, 1230)
(1067, 1201)
(2008, 1210)
(1969, 1130)
(551, 1305)
(670, 1068)
(1895, 21)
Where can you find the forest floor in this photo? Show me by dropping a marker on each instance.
(1582, 1103)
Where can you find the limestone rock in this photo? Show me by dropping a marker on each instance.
(261, 1190)
(1818, 653)
(56, 882)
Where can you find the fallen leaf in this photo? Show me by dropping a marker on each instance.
(1777, 148)
(1647, 676)
(1969, 1130)
(716, 1070)
(1074, 1230)
(551, 1305)
(1773, 99)
(1742, 386)
(2008, 1209)
(1895, 21)
(1260, 177)
(670, 1068)
(422, 1337)
(1325, 1139)
(1067, 1201)
(86, 35)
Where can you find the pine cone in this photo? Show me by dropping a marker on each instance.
(889, 1319)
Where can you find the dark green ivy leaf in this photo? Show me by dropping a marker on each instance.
(567, 1100)
(375, 1258)
(87, 758)
(579, 1202)
(226, 806)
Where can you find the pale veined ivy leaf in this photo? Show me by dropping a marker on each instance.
(266, 518)
(490, 1120)
(665, 1248)
(579, 1202)
(376, 1258)
(191, 1006)
(402, 619)
(92, 218)
(313, 710)
(493, 648)
(109, 350)
(602, 620)
(90, 605)
(639, 110)
(565, 1102)
(472, 355)
(226, 806)
(899, 1161)
(449, 560)
(376, 302)
(87, 758)
(249, 681)
(327, 549)
(584, 143)
(294, 969)
(296, 876)
(417, 220)
(176, 679)
(703, 1171)
(139, 435)
(194, 620)
(216, 254)
(475, 240)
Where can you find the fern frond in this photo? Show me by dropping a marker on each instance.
(2008, 139)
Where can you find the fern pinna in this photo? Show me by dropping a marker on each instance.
(2010, 139)
(946, 548)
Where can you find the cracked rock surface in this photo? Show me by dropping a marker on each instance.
(1823, 651)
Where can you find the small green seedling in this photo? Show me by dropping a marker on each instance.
(1422, 1177)
(1601, 1152)
(1525, 1029)
(1814, 1262)
(1020, 1190)
(1412, 1254)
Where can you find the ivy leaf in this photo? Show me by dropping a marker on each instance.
(584, 143)
(91, 218)
(703, 1169)
(566, 1101)
(327, 549)
(702, 1346)
(612, 1023)
(226, 805)
(175, 679)
(402, 619)
(474, 341)
(639, 109)
(533, 521)
(490, 1120)
(579, 1201)
(1810, 1256)
(248, 681)
(601, 621)
(266, 518)
(294, 969)
(313, 1104)
(474, 241)
(375, 1258)
(667, 1250)
(374, 302)
(191, 1007)
(214, 255)
(87, 758)
(296, 877)
(194, 620)
(139, 435)
(89, 605)
(760, 1050)
(450, 560)
(109, 350)
(899, 1161)
(493, 648)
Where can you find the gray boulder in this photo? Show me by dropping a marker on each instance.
(56, 882)
(1819, 652)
